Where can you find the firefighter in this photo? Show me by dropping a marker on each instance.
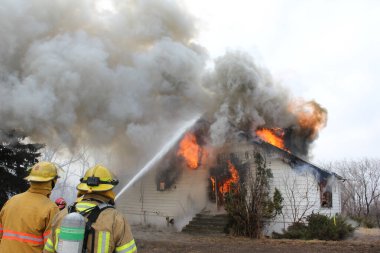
(25, 219)
(107, 230)
(61, 203)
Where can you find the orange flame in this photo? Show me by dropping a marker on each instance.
(273, 136)
(226, 186)
(213, 183)
(190, 150)
(311, 116)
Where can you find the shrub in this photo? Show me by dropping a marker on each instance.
(297, 230)
(320, 227)
(368, 223)
(251, 206)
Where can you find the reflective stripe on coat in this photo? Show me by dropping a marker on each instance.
(25, 221)
(112, 231)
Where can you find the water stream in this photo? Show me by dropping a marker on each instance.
(165, 149)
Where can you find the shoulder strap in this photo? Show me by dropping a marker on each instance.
(71, 208)
(91, 218)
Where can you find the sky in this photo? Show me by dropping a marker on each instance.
(123, 76)
(321, 50)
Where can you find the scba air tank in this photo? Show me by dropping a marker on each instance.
(70, 239)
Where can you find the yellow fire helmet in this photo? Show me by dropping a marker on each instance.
(97, 179)
(43, 172)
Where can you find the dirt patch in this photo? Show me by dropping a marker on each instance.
(155, 241)
(366, 234)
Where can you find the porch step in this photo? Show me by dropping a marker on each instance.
(207, 224)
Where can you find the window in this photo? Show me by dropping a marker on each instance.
(161, 186)
(325, 194)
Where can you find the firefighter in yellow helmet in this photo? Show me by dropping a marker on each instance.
(25, 219)
(106, 229)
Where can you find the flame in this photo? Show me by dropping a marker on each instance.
(226, 186)
(274, 136)
(311, 116)
(190, 150)
(213, 183)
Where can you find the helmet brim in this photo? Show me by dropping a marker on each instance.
(100, 188)
(38, 179)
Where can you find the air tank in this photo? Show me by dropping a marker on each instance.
(70, 239)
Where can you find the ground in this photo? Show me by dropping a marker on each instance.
(153, 241)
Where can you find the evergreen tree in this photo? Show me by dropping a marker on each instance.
(15, 158)
(251, 206)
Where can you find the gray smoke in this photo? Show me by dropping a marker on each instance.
(246, 97)
(122, 77)
(73, 74)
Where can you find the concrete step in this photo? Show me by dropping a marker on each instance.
(214, 217)
(206, 224)
(203, 232)
(209, 222)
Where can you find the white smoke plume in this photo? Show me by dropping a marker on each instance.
(122, 75)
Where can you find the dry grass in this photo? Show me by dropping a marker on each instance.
(155, 241)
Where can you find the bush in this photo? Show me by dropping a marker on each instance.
(250, 205)
(365, 222)
(318, 227)
(297, 230)
(368, 223)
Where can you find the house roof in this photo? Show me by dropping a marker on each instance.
(296, 162)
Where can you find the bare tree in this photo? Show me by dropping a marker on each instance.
(299, 194)
(361, 190)
(73, 166)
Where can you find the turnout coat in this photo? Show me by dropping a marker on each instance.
(112, 231)
(25, 221)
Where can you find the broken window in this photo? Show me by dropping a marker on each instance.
(167, 175)
(325, 194)
(161, 186)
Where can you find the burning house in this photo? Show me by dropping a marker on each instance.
(194, 178)
(121, 85)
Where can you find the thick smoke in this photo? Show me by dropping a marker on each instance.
(122, 75)
(122, 78)
(246, 97)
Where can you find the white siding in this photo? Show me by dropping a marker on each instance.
(301, 194)
(144, 204)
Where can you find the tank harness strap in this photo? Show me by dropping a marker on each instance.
(71, 208)
(91, 218)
